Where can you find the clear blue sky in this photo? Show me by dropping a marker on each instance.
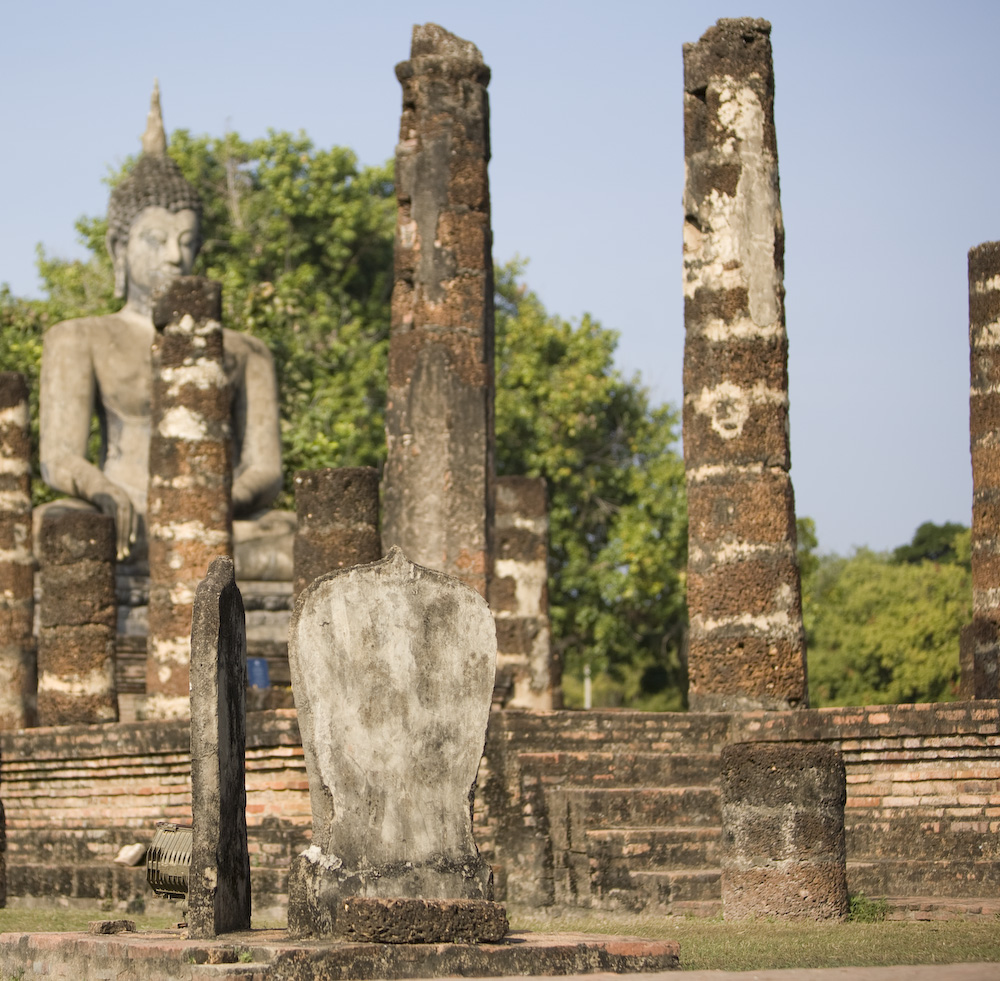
(888, 141)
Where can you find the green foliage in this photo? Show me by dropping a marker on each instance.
(934, 543)
(884, 633)
(618, 527)
(865, 910)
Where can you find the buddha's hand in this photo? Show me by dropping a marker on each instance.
(114, 502)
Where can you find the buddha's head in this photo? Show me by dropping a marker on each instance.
(153, 217)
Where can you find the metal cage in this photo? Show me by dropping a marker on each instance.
(168, 861)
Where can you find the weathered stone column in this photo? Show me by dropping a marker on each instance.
(337, 527)
(981, 640)
(17, 564)
(747, 645)
(190, 480)
(438, 490)
(784, 851)
(219, 888)
(519, 597)
(78, 614)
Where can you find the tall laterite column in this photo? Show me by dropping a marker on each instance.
(747, 644)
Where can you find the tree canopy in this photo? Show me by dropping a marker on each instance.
(301, 239)
(883, 628)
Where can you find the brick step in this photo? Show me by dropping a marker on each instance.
(935, 908)
(653, 849)
(579, 810)
(654, 891)
(909, 839)
(960, 878)
(617, 767)
(659, 732)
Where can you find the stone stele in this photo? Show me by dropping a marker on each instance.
(392, 667)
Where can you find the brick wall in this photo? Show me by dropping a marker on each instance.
(608, 809)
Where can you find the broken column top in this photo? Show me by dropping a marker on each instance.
(435, 50)
(737, 47)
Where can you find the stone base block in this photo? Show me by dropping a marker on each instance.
(799, 890)
(325, 899)
(413, 921)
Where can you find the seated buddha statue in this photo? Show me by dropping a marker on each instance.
(102, 366)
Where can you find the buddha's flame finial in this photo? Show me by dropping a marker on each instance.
(154, 140)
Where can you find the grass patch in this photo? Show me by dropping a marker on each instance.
(762, 945)
(59, 919)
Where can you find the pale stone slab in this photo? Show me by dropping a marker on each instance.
(392, 669)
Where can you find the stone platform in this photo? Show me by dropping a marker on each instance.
(269, 955)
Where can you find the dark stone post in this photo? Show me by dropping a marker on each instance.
(438, 496)
(190, 480)
(337, 511)
(747, 644)
(17, 564)
(219, 896)
(981, 640)
(78, 614)
(527, 675)
(784, 851)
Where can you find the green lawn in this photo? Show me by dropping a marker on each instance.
(705, 944)
(761, 945)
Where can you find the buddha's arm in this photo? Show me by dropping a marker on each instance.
(258, 477)
(66, 407)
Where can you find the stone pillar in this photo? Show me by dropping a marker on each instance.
(438, 490)
(17, 564)
(337, 527)
(219, 885)
(747, 644)
(78, 614)
(392, 667)
(190, 480)
(784, 851)
(981, 640)
(527, 676)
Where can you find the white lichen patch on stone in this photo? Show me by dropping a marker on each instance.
(14, 466)
(734, 550)
(203, 374)
(316, 856)
(714, 471)
(985, 600)
(744, 329)
(188, 531)
(728, 406)
(159, 706)
(15, 500)
(182, 593)
(15, 416)
(180, 422)
(778, 624)
(529, 584)
(167, 651)
(988, 335)
(986, 285)
(94, 682)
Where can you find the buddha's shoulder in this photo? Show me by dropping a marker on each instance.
(83, 330)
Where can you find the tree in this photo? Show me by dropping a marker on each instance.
(618, 518)
(880, 632)
(936, 543)
(301, 240)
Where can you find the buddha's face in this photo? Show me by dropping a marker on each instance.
(161, 246)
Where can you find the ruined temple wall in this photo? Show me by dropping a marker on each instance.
(922, 815)
(747, 644)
